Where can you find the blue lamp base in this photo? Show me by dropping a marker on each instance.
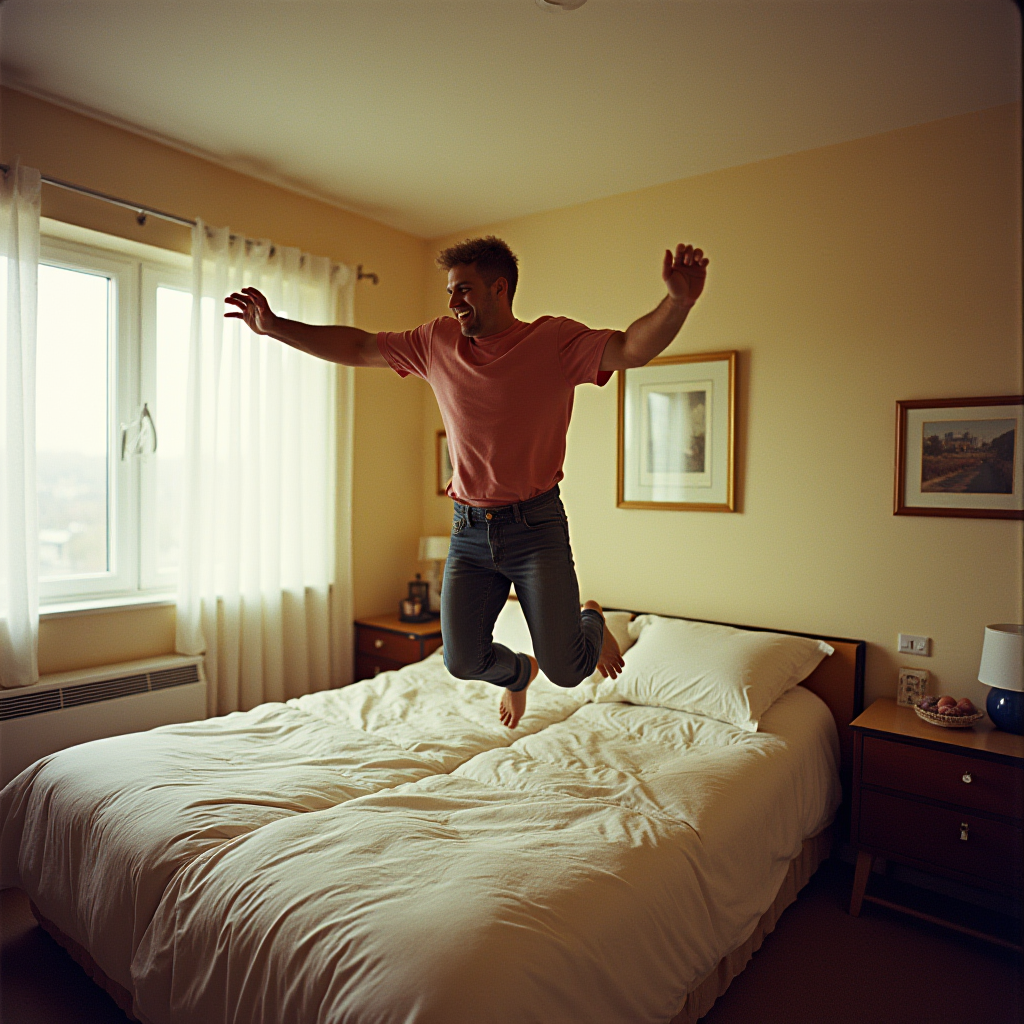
(1006, 709)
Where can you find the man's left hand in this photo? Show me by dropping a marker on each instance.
(684, 274)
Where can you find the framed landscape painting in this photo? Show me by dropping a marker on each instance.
(960, 457)
(676, 433)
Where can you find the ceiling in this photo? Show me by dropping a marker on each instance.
(438, 115)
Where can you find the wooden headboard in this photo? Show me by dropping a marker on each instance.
(838, 681)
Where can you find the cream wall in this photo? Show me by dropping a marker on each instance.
(387, 470)
(847, 278)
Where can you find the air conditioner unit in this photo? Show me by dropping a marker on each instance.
(74, 707)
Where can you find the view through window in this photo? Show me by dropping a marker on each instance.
(72, 419)
(111, 369)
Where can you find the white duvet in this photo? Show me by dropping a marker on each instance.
(389, 853)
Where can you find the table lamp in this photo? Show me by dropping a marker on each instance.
(434, 550)
(1002, 669)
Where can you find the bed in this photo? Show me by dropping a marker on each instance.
(389, 852)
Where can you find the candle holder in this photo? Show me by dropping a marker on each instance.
(416, 607)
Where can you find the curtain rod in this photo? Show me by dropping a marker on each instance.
(142, 211)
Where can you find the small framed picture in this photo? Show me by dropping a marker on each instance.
(677, 433)
(960, 457)
(444, 464)
(913, 683)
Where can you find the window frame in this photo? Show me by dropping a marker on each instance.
(131, 353)
(153, 276)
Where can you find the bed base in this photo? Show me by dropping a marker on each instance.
(81, 956)
(698, 1002)
(801, 868)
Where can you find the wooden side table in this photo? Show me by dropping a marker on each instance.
(384, 643)
(945, 801)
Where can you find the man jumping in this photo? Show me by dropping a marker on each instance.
(505, 390)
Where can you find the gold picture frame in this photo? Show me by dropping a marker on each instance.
(677, 434)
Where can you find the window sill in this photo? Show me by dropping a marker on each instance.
(104, 604)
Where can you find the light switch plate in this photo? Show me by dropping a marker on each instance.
(919, 645)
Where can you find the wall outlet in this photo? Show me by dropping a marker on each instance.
(913, 683)
(920, 645)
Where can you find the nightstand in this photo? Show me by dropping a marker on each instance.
(946, 801)
(384, 642)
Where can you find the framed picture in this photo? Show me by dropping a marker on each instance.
(444, 464)
(676, 433)
(960, 457)
(913, 683)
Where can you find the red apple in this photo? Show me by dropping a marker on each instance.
(947, 702)
(967, 707)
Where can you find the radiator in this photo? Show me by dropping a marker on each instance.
(74, 707)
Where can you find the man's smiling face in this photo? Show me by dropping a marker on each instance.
(477, 305)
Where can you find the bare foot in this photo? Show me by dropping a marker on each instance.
(513, 704)
(609, 661)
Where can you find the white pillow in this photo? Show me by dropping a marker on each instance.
(511, 630)
(732, 675)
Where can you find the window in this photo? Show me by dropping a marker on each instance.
(112, 357)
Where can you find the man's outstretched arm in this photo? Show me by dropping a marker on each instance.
(347, 345)
(684, 276)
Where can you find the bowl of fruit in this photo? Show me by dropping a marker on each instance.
(948, 712)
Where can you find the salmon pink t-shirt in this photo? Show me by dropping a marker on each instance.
(505, 399)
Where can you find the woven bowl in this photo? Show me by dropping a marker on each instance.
(949, 721)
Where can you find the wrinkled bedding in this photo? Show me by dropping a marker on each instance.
(417, 862)
(95, 833)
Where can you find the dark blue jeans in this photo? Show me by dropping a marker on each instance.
(526, 544)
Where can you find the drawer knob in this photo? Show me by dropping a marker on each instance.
(963, 830)
(378, 643)
(377, 670)
(967, 777)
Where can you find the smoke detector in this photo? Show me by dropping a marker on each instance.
(560, 5)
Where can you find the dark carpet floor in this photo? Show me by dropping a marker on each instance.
(819, 966)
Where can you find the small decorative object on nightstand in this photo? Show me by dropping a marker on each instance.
(385, 642)
(913, 683)
(415, 607)
(1002, 670)
(434, 550)
(949, 803)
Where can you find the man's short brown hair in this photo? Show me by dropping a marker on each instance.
(491, 256)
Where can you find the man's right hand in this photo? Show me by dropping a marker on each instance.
(346, 345)
(255, 309)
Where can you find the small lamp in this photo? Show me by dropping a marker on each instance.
(1002, 669)
(434, 550)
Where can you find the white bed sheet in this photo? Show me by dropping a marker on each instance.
(95, 833)
(594, 870)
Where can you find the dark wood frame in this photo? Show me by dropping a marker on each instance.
(729, 505)
(900, 506)
(440, 436)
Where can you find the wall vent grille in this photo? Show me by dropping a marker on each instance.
(22, 705)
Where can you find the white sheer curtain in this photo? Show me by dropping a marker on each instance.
(266, 531)
(19, 518)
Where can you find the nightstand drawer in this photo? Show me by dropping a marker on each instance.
(379, 643)
(370, 665)
(939, 775)
(931, 835)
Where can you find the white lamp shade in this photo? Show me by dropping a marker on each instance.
(1002, 657)
(434, 549)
